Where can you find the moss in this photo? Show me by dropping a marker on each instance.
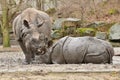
(113, 11)
(69, 31)
(85, 31)
(65, 27)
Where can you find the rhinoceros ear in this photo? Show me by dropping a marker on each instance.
(40, 24)
(26, 24)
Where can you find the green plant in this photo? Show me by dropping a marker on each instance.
(85, 31)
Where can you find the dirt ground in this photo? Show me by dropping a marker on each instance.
(12, 67)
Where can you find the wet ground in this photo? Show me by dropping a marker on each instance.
(12, 67)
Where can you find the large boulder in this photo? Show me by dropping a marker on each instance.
(114, 32)
(96, 24)
(100, 26)
(62, 22)
(65, 26)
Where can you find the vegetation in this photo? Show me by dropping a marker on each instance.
(88, 11)
(5, 24)
(7, 16)
(113, 11)
(85, 32)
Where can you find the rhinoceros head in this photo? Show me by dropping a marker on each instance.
(36, 41)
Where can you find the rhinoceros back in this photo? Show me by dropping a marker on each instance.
(75, 50)
(66, 50)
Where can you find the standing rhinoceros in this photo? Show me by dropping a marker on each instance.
(75, 50)
(32, 30)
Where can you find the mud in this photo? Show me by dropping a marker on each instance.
(12, 67)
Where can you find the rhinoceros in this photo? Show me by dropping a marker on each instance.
(77, 50)
(32, 29)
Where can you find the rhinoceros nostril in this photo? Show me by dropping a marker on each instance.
(39, 50)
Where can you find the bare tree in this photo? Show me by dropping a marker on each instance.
(5, 24)
(40, 4)
(9, 9)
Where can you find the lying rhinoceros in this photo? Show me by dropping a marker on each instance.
(75, 50)
(32, 30)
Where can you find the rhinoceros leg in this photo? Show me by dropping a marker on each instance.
(28, 55)
(96, 58)
(96, 52)
(111, 53)
(109, 49)
(57, 55)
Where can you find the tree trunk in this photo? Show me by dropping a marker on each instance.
(55, 3)
(5, 25)
(6, 38)
(40, 4)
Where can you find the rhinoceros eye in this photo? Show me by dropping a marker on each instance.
(34, 40)
(46, 40)
(41, 37)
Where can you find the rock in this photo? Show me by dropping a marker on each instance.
(66, 26)
(101, 35)
(58, 23)
(100, 26)
(56, 34)
(114, 32)
(96, 24)
(62, 22)
(117, 51)
(115, 44)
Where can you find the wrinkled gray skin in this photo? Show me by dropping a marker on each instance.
(76, 50)
(32, 29)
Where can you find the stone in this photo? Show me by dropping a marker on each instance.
(101, 35)
(62, 22)
(56, 34)
(114, 32)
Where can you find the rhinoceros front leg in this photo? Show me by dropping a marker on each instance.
(57, 55)
(28, 55)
